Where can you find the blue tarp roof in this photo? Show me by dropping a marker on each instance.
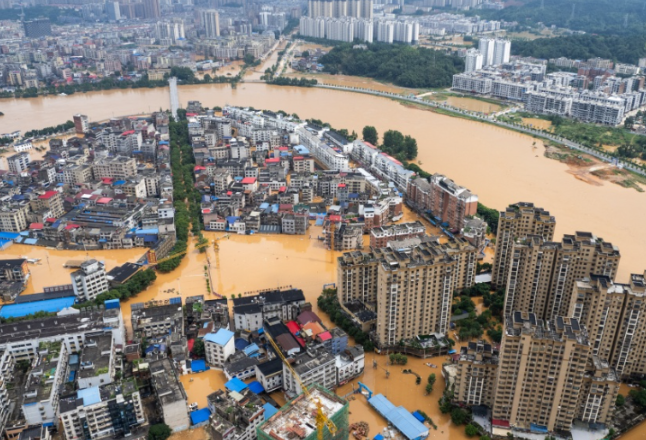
(221, 337)
(269, 410)
(90, 396)
(200, 416)
(251, 349)
(119, 183)
(400, 417)
(151, 231)
(46, 305)
(198, 365)
(379, 437)
(9, 235)
(256, 387)
(232, 219)
(235, 384)
(240, 344)
(418, 416)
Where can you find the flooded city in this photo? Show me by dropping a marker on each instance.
(499, 165)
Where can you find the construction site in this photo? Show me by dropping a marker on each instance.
(299, 418)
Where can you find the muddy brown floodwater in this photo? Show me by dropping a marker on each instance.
(499, 165)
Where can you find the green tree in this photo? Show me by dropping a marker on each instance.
(459, 416)
(160, 431)
(431, 379)
(470, 430)
(198, 348)
(370, 134)
(429, 388)
(485, 437)
(249, 59)
(621, 401)
(306, 54)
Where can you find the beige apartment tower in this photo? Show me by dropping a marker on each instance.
(546, 378)
(411, 288)
(613, 314)
(414, 293)
(476, 374)
(542, 274)
(518, 221)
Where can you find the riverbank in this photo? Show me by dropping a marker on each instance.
(496, 163)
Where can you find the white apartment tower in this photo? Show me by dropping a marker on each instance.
(211, 22)
(486, 48)
(501, 52)
(473, 61)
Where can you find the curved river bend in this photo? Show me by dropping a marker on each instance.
(499, 165)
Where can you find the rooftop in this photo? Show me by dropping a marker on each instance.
(299, 415)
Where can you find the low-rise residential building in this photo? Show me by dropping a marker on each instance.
(235, 415)
(90, 280)
(313, 366)
(97, 363)
(219, 347)
(171, 398)
(99, 412)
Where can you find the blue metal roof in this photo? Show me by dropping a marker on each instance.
(175, 300)
(251, 349)
(240, 344)
(200, 416)
(9, 235)
(400, 417)
(221, 337)
(269, 410)
(235, 384)
(198, 366)
(90, 396)
(30, 241)
(47, 305)
(256, 387)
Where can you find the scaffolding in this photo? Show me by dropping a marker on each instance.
(297, 419)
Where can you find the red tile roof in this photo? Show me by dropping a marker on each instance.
(248, 180)
(48, 195)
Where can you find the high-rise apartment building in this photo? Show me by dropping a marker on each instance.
(340, 8)
(612, 312)
(494, 51)
(40, 27)
(151, 9)
(501, 52)
(412, 287)
(473, 61)
(543, 274)
(210, 22)
(546, 378)
(486, 48)
(112, 11)
(476, 370)
(516, 222)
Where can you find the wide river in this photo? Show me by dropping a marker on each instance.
(500, 166)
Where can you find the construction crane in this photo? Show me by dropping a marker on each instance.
(216, 246)
(321, 419)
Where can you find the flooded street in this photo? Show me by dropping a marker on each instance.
(499, 165)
